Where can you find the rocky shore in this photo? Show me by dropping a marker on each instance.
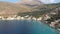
(54, 24)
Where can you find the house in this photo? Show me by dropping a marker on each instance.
(47, 17)
(10, 18)
(34, 18)
(40, 18)
(18, 17)
(22, 18)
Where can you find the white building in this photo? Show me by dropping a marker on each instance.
(52, 24)
(29, 18)
(10, 18)
(34, 18)
(18, 17)
(22, 18)
(40, 18)
(47, 17)
(26, 16)
(1, 17)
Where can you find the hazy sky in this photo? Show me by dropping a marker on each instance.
(45, 1)
(9, 0)
(50, 1)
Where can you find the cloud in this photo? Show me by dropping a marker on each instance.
(52, 1)
(48, 1)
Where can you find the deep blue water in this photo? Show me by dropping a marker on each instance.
(25, 27)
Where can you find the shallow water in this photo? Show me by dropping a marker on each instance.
(25, 27)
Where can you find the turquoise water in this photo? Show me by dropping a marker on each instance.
(25, 27)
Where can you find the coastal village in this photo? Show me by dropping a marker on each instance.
(33, 11)
(46, 18)
(15, 17)
(54, 24)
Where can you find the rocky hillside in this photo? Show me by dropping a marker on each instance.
(7, 8)
(31, 3)
(42, 10)
(11, 8)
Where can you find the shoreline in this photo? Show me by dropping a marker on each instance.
(32, 20)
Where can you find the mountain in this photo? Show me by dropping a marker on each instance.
(31, 3)
(7, 8)
(43, 10)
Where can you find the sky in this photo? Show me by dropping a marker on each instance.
(44, 1)
(50, 1)
(10, 0)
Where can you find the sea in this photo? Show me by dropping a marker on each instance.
(25, 27)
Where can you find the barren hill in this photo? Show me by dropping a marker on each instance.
(31, 3)
(7, 8)
(11, 8)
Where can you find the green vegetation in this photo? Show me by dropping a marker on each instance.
(41, 11)
(7, 8)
